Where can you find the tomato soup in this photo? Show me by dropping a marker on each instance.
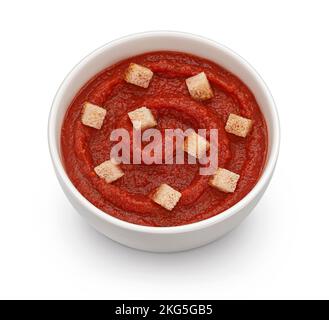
(167, 96)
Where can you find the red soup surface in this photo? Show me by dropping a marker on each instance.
(128, 198)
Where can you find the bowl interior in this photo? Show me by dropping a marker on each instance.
(129, 46)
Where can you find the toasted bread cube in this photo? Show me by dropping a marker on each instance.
(142, 118)
(109, 171)
(166, 196)
(224, 180)
(92, 115)
(196, 145)
(199, 87)
(138, 75)
(238, 125)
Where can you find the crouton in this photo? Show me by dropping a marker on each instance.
(224, 180)
(92, 115)
(166, 196)
(142, 118)
(109, 171)
(196, 145)
(199, 87)
(138, 75)
(238, 125)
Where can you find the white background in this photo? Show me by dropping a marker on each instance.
(280, 251)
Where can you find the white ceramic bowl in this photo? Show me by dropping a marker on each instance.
(162, 239)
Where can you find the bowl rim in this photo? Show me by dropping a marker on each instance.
(269, 167)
